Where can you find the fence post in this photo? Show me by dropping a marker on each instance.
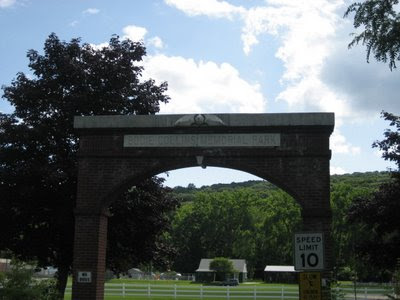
(123, 289)
(201, 292)
(174, 291)
(365, 293)
(148, 290)
(227, 292)
(255, 293)
(282, 293)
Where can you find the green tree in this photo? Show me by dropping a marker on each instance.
(239, 223)
(379, 211)
(279, 217)
(38, 169)
(222, 266)
(390, 145)
(345, 234)
(210, 226)
(381, 34)
(18, 284)
(138, 218)
(396, 281)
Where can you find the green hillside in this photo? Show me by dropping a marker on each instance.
(367, 180)
(255, 220)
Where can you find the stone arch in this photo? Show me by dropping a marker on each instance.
(122, 184)
(289, 150)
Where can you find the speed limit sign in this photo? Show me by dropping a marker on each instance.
(309, 251)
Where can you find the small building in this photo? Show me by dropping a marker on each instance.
(135, 273)
(280, 274)
(204, 274)
(5, 264)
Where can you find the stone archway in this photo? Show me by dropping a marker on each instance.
(289, 150)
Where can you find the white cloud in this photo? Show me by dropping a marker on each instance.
(378, 153)
(211, 8)
(134, 33)
(340, 145)
(306, 30)
(74, 23)
(7, 3)
(156, 42)
(337, 170)
(137, 33)
(99, 46)
(370, 87)
(203, 86)
(91, 11)
(320, 73)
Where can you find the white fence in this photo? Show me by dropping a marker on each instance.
(237, 292)
(199, 292)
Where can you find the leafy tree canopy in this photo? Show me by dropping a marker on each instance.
(238, 223)
(18, 283)
(390, 146)
(379, 212)
(38, 163)
(381, 33)
(222, 265)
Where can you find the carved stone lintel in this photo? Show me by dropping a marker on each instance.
(199, 120)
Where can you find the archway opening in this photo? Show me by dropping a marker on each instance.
(207, 176)
(240, 216)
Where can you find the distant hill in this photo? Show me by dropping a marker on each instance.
(368, 180)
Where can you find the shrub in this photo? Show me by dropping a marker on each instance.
(18, 284)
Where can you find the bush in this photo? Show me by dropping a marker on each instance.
(18, 284)
(396, 282)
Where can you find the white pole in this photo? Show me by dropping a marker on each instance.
(148, 290)
(174, 291)
(123, 289)
(282, 293)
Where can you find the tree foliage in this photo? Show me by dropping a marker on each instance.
(390, 145)
(38, 163)
(264, 219)
(222, 265)
(378, 212)
(18, 283)
(381, 32)
(238, 223)
(138, 218)
(345, 234)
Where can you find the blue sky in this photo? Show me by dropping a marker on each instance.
(233, 56)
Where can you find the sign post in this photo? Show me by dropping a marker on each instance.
(309, 251)
(310, 286)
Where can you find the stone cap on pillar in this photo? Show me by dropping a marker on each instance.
(326, 119)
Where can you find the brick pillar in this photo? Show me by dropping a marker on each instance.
(322, 223)
(89, 255)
